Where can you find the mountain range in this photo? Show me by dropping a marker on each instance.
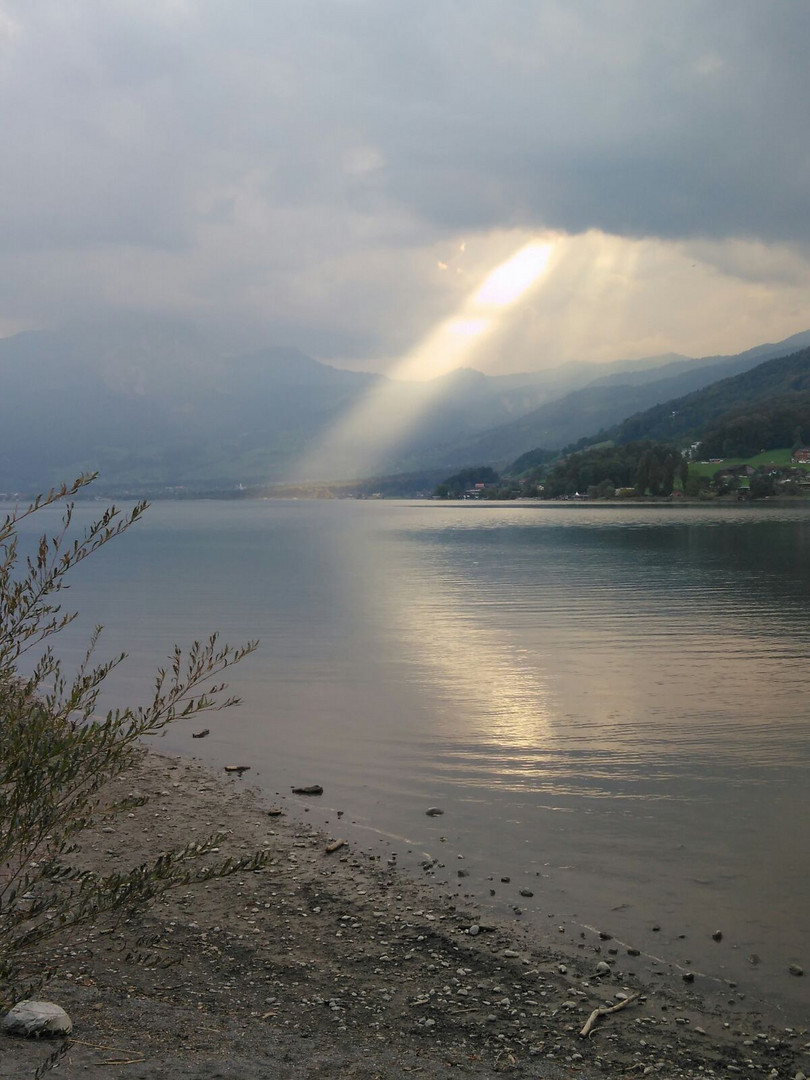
(155, 406)
(764, 405)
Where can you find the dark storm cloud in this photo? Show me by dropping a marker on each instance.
(648, 117)
(245, 142)
(660, 119)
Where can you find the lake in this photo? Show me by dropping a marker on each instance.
(609, 703)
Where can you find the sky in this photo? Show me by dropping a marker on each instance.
(348, 176)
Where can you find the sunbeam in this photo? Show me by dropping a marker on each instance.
(509, 281)
(358, 442)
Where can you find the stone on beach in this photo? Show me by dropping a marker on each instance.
(367, 952)
(35, 1018)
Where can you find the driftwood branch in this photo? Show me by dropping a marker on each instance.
(604, 1010)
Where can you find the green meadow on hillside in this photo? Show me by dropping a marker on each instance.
(779, 457)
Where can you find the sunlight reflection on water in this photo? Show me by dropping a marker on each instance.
(619, 692)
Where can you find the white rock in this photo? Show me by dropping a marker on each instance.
(37, 1018)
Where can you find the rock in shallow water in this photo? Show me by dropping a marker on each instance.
(37, 1018)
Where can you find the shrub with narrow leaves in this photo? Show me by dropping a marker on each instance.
(57, 754)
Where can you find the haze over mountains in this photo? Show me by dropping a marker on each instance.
(153, 406)
(767, 406)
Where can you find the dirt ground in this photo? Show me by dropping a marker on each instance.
(333, 964)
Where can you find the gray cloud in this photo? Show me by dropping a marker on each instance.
(291, 164)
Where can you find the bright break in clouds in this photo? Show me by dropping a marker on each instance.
(346, 176)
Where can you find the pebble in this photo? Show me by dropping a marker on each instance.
(474, 930)
(526, 892)
(434, 811)
(717, 935)
(795, 969)
(35, 1018)
(602, 968)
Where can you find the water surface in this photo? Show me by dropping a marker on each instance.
(609, 703)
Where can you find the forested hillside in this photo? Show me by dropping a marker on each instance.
(644, 466)
(758, 409)
(776, 423)
(606, 401)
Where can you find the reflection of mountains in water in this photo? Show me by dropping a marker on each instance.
(766, 564)
(597, 687)
(602, 625)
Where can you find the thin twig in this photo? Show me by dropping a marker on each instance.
(605, 1010)
(126, 1061)
(101, 1046)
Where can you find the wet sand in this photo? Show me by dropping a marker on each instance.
(327, 964)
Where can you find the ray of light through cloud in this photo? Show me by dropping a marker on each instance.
(282, 175)
(385, 415)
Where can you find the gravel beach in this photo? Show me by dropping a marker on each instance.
(330, 963)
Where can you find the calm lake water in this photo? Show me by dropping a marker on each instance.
(609, 703)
